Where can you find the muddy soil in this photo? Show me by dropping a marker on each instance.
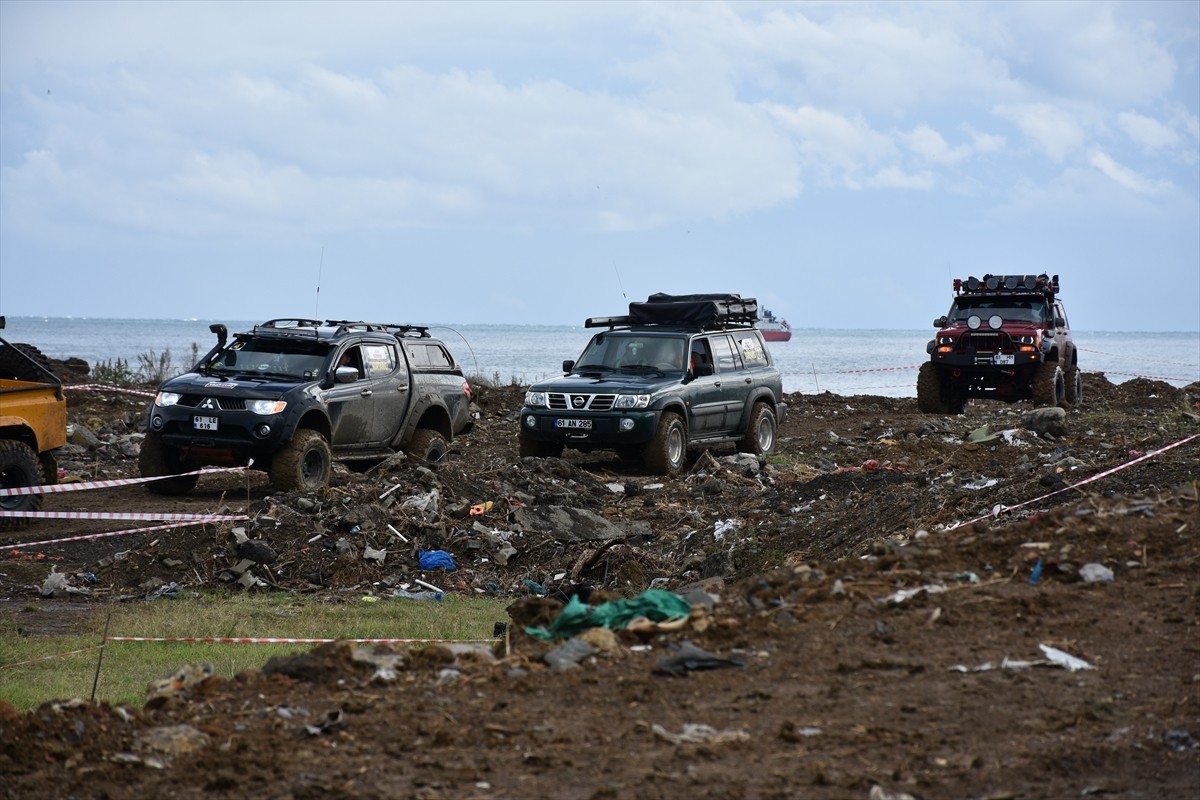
(895, 605)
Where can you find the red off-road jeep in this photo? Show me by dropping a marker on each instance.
(1005, 337)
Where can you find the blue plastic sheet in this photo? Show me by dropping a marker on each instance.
(436, 559)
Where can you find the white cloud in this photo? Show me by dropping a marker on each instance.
(1149, 133)
(896, 178)
(930, 146)
(1124, 176)
(837, 147)
(1052, 130)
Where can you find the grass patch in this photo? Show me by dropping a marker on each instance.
(128, 668)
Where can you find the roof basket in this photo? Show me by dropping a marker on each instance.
(688, 310)
(402, 330)
(1007, 284)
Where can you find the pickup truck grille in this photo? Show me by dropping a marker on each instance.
(581, 402)
(223, 403)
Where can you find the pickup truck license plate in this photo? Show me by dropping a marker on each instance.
(573, 423)
(1003, 358)
(204, 423)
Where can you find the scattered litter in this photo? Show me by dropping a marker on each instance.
(436, 559)
(698, 733)
(1095, 573)
(1064, 660)
(686, 657)
(1035, 574)
(722, 527)
(1054, 658)
(418, 595)
(568, 654)
(981, 483)
(904, 595)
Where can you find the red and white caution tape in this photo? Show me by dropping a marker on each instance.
(1191, 364)
(87, 536)
(284, 640)
(877, 369)
(79, 486)
(1145, 456)
(103, 387)
(1149, 377)
(12, 664)
(149, 515)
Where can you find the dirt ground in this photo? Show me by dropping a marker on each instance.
(890, 610)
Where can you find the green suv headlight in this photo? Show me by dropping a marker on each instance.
(632, 401)
(267, 407)
(536, 399)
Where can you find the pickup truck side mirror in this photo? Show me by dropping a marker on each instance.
(1060, 322)
(568, 365)
(702, 370)
(345, 375)
(940, 322)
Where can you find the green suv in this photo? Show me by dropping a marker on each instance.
(676, 372)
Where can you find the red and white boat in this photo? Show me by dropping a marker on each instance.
(774, 329)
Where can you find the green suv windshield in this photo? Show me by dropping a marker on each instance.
(633, 352)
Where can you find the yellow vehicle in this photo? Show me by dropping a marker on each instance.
(33, 424)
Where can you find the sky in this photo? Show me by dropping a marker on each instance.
(544, 162)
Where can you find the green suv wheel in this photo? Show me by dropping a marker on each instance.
(760, 434)
(667, 451)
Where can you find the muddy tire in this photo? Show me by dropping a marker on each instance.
(156, 458)
(1049, 385)
(667, 452)
(14, 363)
(304, 464)
(931, 393)
(1074, 381)
(531, 449)
(19, 466)
(760, 434)
(427, 447)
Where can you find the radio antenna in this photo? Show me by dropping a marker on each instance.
(623, 295)
(320, 266)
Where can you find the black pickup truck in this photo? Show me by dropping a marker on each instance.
(292, 395)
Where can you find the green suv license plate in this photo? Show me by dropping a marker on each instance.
(573, 423)
(204, 423)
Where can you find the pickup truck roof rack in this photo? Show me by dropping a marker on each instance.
(314, 328)
(703, 311)
(1007, 284)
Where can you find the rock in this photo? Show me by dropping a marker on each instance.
(257, 551)
(1043, 421)
(576, 524)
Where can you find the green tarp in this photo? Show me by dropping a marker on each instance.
(657, 605)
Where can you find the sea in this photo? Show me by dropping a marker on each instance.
(843, 362)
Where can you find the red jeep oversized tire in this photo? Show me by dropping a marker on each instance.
(1074, 381)
(1049, 385)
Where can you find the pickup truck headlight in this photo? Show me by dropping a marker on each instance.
(166, 399)
(632, 401)
(267, 407)
(536, 399)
